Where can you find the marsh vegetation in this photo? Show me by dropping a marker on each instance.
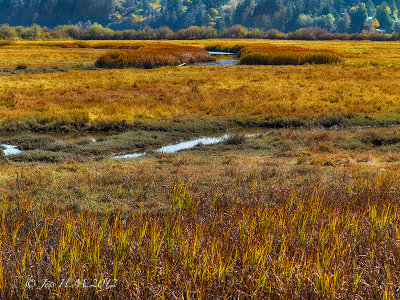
(299, 198)
(270, 54)
(294, 243)
(152, 56)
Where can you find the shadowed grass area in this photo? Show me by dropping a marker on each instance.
(153, 56)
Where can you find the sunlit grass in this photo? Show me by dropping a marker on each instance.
(291, 214)
(203, 93)
(270, 54)
(294, 58)
(83, 99)
(299, 243)
(152, 56)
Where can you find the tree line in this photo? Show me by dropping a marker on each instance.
(340, 16)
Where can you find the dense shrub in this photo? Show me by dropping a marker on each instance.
(32, 33)
(98, 32)
(8, 33)
(22, 67)
(236, 31)
(275, 34)
(69, 31)
(196, 33)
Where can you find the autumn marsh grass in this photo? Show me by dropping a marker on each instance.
(270, 54)
(153, 56)
(77, 97)
(106, 99)
(279, 223)
(308, 243)
(308, 208)
(288, 58)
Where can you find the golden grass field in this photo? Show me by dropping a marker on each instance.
(365, 84)
(306, 208)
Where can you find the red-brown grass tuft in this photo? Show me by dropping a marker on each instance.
(267, 54)
(153, 56)
(285, 55)
(288, 55)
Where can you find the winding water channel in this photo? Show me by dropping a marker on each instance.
(9, 150)
(187, 145)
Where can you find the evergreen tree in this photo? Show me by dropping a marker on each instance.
(383, 15)
(172, 13)
(358, 15)
(343, 23)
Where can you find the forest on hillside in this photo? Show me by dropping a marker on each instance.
(342, 16)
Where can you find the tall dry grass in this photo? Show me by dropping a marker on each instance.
(285, 55)
(301, 243)
(293, 58)
(257, 95)
(270, 54)
(152, 56)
